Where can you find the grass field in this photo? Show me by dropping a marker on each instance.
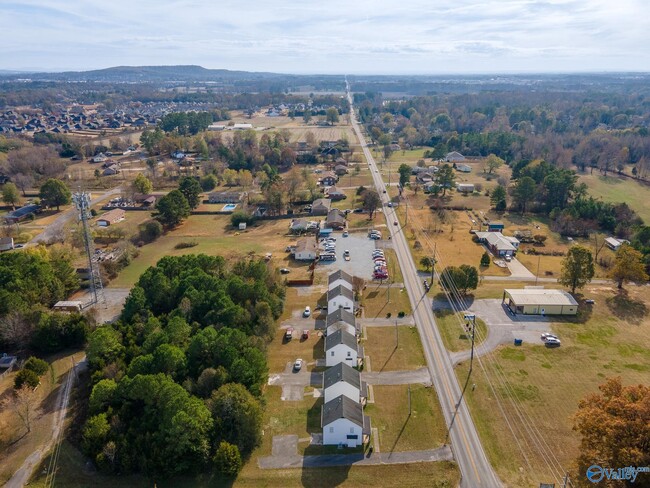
(544, 385)
(423, 428)
(379, 301)
(616, 190)
(388, 353)
(455, 338)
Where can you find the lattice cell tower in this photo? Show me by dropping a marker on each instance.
(82, 202)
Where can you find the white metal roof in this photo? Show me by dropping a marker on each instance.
(541, 297)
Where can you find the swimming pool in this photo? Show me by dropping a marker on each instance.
(229, 207)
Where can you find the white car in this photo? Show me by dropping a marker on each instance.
(553, 341)
(307, 311)
(346, 253)
(298, 364)
(547, 335)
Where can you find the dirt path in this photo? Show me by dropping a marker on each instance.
(22, 476)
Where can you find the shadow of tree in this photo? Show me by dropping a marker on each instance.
(627, 308)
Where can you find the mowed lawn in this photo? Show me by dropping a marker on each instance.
(618, 190)
(455, 337)
(214, 236)
(535, 391)
(393, 348)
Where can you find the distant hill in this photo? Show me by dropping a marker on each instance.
(149, 74)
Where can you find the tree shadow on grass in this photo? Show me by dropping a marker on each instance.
(627, 308)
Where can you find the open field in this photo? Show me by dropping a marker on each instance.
(15, 447)
(388, 353)
(616, 190)
(379, 301)
(214, 236)
(454, 337)
(399, 430)
(544, 385)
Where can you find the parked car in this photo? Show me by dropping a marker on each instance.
(285, 270)
(307, 311)
(553, 342)
(389, 204)
(590, 302)
(395, 223)
(547, 335)
(345, 234)
(375, 236)
(508, 257)
(305, 334)
(288, 334)
(346, 253)
(298, 364)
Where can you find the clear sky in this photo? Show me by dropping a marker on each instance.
(329, 36)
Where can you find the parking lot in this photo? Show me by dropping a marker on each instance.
(360, 263)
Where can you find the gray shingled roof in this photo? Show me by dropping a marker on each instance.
(342, 408)
(340, 274)
(340, 337)
(340, 290)
(341, 372)
(340, 315)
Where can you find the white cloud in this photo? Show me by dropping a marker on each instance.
(330, 37)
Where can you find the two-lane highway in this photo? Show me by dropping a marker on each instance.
(475, 468)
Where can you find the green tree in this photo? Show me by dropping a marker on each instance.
(492, 163)
(208, 182)
(498, 199)
(170, 360)
(36, 365)
(628, 266)
(332, 115)
(104, 346)
(102, 395)
(306, 116)
(371, 201)
(26, 377)
(237, 416)
(10, 195)
(427, 263)
(462, 279)
(151, 231)
(577, 268)
(173, 208)
(485, 259)
(404, 171)
(446, 178)
(55, 193)
(524, 192)
(191, 189)
(227, 459)
(142, 184)
(95, 433)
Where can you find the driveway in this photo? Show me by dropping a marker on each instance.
(409, 377)
(360, 263)
(503, 328)
(518, 270)
(293, 383)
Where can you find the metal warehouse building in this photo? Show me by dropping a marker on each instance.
(538, 301)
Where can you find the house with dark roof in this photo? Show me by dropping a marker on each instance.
(454, 156)
(344, 380)
(342, 347)
(335, 219)
(6, 243)
(225, 197)
(344, 423)
(337, 278)
(22, 213)
(340, 297)
(321, 206)
(306, 249)
(328, 179)
(335, 194)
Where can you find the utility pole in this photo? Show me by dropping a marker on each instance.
(537, 274)
(565, 481)
(433, 262)
(470, 317)
(396, 335)
(409, 400)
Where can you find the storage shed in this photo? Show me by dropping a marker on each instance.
(538, 301)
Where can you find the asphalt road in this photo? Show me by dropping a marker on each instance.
(475, 469)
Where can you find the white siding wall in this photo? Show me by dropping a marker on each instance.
(338, 431)
(341, 354)
(341, 325)
(342, 388)
(340, 282)
(305, 255)
(339, 302)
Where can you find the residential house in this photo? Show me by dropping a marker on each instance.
(7, 363)
(339, 319)
(342, 347)
(335, 219)
(111, 217)
(340, 297)
(335, 194)
(424, 177)
(112, 170)
(344, 423)
(22, 213)
(99, 158)
(463, 168)
(615, 244)
(306, 249)
(145, 200)
(328, 178)
(344, 380)
(225, 197)
(495, 226)
(499, 244)
(179, 155)
(340, 170)
(298, 226)
(242, 126)
(321, 206)
(454, 156)
(337, 278)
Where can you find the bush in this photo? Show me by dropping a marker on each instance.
(36, 365)
(241, 216)
(227, 459)
(208, 183)
(55, 332)
(93, 212)
(485, 259)
(26, 377)
(186, 244)
(401, 315)
(150, 231)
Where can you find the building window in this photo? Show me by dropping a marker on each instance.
(331, 430)
(350, 436)
(351, 430)
(349, 354)
(332, 353)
